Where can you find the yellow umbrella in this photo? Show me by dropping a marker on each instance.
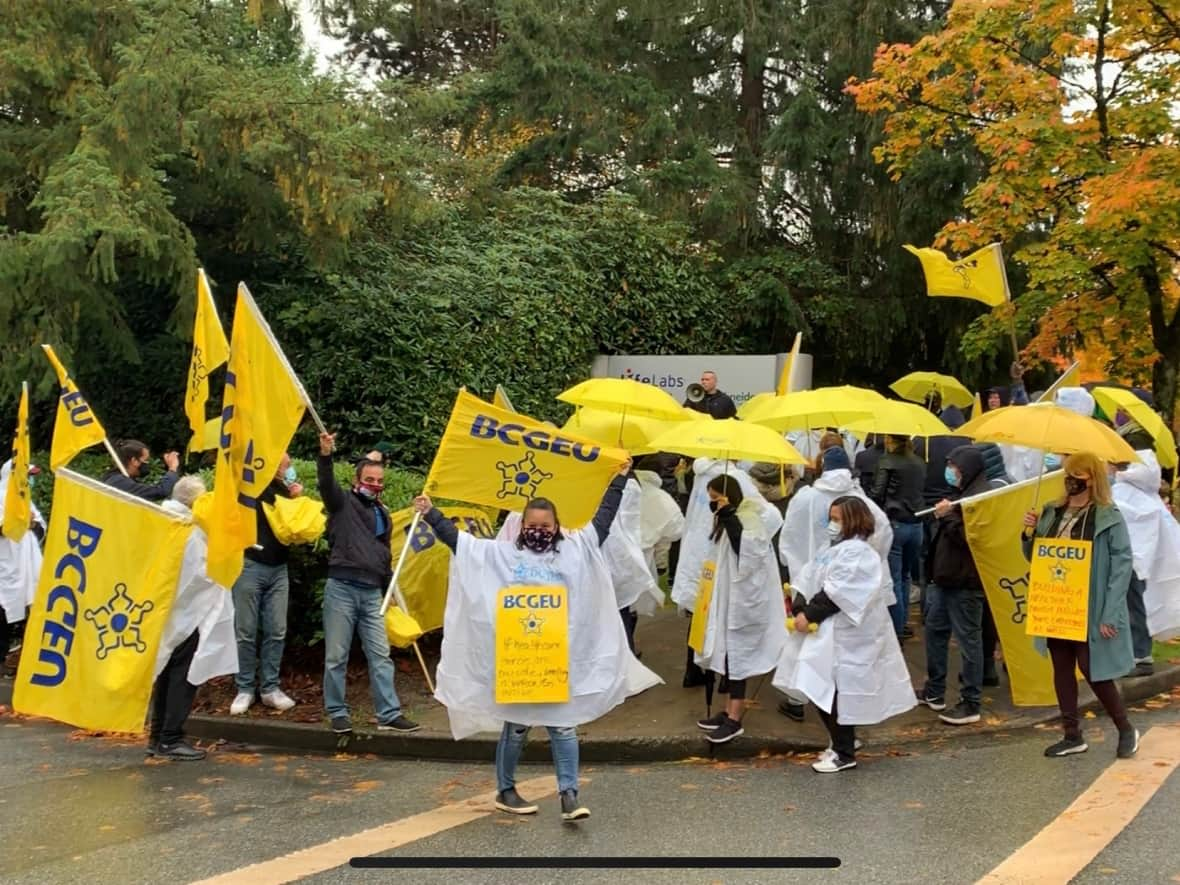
(1112, 400)
(916, 386)
(729, 439)
(752, 404)
(900, 419)
(854, 394)
(631, 432)
(624, 395)
(808, 409)
(1049, 428)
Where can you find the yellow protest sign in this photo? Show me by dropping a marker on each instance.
(1059, 588)
(532, 645)
(700, 613)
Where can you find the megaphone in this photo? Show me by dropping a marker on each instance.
(695, 393)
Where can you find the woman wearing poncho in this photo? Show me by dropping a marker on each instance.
(851, 668)
(602, 670)
(744, 626)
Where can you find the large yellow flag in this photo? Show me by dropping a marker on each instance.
(424, 577)
(210, 350)
(786, 381)
(76, 427)
(18, 511)
(1071, 377)
(112, 562)
(263, 405)
(993, 532)
(502, 459)
(979, 276)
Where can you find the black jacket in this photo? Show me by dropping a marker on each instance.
(950, 563)
(993, 461)
(717, 404)
(359, 553)
(865, 466)
(939, 447)
(153, 492)
(273, 552)
(898, 486)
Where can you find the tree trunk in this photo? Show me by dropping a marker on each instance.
(748, 141)
(1165, 334)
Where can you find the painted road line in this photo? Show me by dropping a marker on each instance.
(1079, 834)
(337, 852)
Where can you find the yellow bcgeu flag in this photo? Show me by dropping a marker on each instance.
(76, 427)
(18, 511)
(425, 576)
(786, 381)
(502, 459)
(979, 276)
(993, 529)
(210, 350)
(263, 405)
(501, 401)
(112, 563)
(1071, 377)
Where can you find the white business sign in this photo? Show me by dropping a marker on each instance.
(739, 376)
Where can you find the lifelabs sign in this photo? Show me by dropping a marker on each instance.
(1059, 588)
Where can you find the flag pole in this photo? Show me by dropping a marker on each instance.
(106, 441)
(1008, 298)
(394, 590)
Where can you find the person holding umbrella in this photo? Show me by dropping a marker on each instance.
(1088, 513)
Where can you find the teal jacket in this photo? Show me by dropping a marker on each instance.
(1110, 576)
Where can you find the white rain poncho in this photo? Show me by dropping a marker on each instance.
(602, 670)
(623, 550)
(807, 444)
(20, 561)
(855, 652)
(1155, 542)
(746, 624)
(202, 605)
(695, 546)
(805, 533)
(1021, 462)
(660, 522)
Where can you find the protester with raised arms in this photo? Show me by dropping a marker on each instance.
(137, 461)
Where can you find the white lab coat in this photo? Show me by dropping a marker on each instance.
(746, 624)
(203, 605)
(695, 547)
(855, 653)
(660, 522)
(20, 560)
(1155, 542)
(805, 532)
(602, 670)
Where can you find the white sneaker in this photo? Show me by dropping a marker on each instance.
(241, 703)
(857, 744)
(832, 764)
(278, 699)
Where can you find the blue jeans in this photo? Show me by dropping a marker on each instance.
(906, 550)
(563, 743)
(260, 598)
(958, 611)
(353, 608)
(1137, 613)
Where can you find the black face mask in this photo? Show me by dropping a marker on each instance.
(712, 506)
(537, 539)
(1075, 486)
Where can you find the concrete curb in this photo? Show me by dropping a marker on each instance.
(301, 737)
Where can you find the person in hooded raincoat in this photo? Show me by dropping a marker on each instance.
(602, 670)
(745, 627)
(661, 524)
(1153, 597)
(198, 641)
(851, 668)
(1088, 513)
(20, 566)
(695, 545)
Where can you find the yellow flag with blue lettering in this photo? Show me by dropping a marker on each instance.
(980, 276)
(76, 427)
(263, 405)
(112, 563)
(503, 459)
(993, 528)
(18, 511)
(210, 350)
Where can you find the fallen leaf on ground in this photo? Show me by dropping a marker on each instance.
(1090, 714)
(365, 786)
(789, 808)
(238, 758)
(210, 780)
(913, 805)
(689, 787)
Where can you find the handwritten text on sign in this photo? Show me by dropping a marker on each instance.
(532, 645)
(1059, 588)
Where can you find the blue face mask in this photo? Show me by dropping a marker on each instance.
(290, 476)
(1052, 462)
(952, 478)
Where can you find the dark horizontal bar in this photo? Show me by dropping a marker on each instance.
(595, 863)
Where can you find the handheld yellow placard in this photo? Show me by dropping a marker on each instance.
(700, 614)
(532, 645)
(1059, 588)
